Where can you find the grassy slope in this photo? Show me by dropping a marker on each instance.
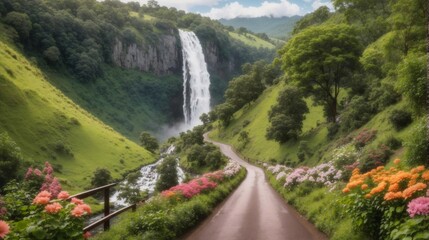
(38, 116)
(316, 136)
(252, 40)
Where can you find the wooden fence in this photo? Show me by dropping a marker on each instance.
(107, 215)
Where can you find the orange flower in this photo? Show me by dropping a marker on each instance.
(63, 195)
(418, 169)
(42, 198)
(53, 208)
(368, 195)
(425, 175)
(393, 188)
(391, 195)
(397, 161)
(364, 186)
(80, 210)
(414, 188)
(346, 190)
(77, 201)
(380, 187)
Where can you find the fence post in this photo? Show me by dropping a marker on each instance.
(106, 208)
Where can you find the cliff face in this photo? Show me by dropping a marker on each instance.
(165, 57)
(162, 58)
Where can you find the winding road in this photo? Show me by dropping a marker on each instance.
(254, 211)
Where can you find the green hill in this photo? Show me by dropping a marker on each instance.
(273, 27)
(48, 126)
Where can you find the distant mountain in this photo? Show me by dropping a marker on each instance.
(273, 27)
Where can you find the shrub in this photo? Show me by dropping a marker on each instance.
(364, 137)
(10, 159)
(149, 142)
(400, 119)
(101, 177)
(357, 113)
(303, 151)
(167, 174)
(344, 156)
(333, 130)
(417, 145)
(375, 157)
(393, 143)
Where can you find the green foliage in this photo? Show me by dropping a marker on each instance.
(149, 142)
(21, 22)
(317, 17)
(101, 177)
(10, 159)
(207, 155)
(320, 59)
(167, 171)
(356, 114)
(414, 228)
(412, 80)
(417, 145)
(52, 55)
(130, 190)
(393, 142)
(303, 151)
(400, 119)
(189, 138)
(287, 115)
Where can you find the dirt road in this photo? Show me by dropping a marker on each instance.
(254, 212)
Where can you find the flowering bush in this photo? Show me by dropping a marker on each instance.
(324, 174)
(51, 218)
(206, 182)
(364, 137)
(377, 199)
(345, 155)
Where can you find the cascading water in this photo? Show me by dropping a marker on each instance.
(196, 80)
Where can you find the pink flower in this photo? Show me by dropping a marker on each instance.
(37, 172)
(63, 195)
(76, 201)
(53, 208)
(48, 170)
(55, 187)
(418, 206)
(42, 198)
(4, 229)
(29, 173)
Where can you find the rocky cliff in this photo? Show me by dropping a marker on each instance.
(161, 58)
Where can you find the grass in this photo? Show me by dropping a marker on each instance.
(48, 126)
(252, 40)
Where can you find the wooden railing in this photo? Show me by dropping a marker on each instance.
(107, 215)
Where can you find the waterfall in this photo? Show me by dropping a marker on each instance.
(196, 80)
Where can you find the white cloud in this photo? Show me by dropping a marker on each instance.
(235, 9)
(318, 3)
(180, 4)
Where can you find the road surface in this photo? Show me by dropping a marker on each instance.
(254, 212)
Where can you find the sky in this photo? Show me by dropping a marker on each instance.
(228, 9)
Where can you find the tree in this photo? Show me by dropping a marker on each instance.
(52, 54)
(286, 116)
(320, 59)
(149, 142)
(317, 17)
(167, 171)
(101, 177)
(10, 159)
(224, 112)
(21, 22)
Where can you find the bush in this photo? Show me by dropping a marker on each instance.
(10, 159)
(393, 143)
(333, 130)
(417, 145)
(303, 151)
(101, 177)
(364, 137)
(357, 113)
(167, 174)
(149, 142)
(375, 157)
(400, 119)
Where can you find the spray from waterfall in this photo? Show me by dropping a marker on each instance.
(196, 80)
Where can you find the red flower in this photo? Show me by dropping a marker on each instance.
(4, 229)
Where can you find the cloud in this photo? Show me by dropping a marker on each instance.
(235, 9)
(180, 4)
(318, 3)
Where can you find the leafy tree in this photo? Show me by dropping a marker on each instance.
(205, 119)
(167, 174)
(149, 142)
(101, 177)
(224, 112)
(412, 80)
(286, 116)
(52, 54)
(21, 22)
(321, 59)
(317, 17)
(10, 159)
(357, 113)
